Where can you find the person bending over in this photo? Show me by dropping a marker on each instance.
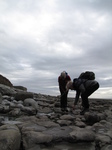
(62, 80)
(84, 88)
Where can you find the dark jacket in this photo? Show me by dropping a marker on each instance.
(63, 82)
(81, 86)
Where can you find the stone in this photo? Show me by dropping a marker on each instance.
(103, 139)
(31, 102)
(48, 124)
(29, 110)
(67, 117)
(107, 147)
(36, 147)
(32, 138)
(41, 125)
(80, 124)
(20, 88)
(81, 135)
(23, 95)
(59, 133)
(33, 127)
(0, 98)
(6, 90)
(92, 118)
(64, 122)
(10, 137)
(15, 112)
(5, 81)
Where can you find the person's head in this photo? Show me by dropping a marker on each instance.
(63, 75)
(69, 85)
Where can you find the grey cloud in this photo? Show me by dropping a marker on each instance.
(77, 39)
(98, 5)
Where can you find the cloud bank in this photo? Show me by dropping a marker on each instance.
(40, 39)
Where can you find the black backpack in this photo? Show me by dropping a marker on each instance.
(87, 75)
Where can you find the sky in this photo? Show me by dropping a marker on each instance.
(41, 38)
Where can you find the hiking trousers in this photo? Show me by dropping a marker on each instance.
(87, 93)
(63, 100)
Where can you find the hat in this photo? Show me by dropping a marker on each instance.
(69, 85)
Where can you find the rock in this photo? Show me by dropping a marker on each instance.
(107, 147)
(10, 122)
(20, 88)
(73, 146)
(31, 102)
(23, 95)
(42, 123)
(33, 127)
(0, 98)
(92, 118)
(102, 128)
(6, 90)
(48, 124)
(109, 133)
(6, 97)
(80, 124)
(45, 110)
(32, 138)
(5, 81)
(64, 122)
(1, 120)
(4, 109)
(81, 135)
(29, 110)
(6, 102)
(103, 139)
(10, 137)
(26, 119)
(15, 112)
(67, 117)
(59, 134)
(36, 147)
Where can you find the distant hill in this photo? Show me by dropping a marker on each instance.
(5, 81)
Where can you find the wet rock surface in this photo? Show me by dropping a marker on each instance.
(30, 121)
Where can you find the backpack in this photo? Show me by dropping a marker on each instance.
(87, 75)
(76, 83)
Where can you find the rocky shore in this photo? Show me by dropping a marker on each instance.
(31, 121)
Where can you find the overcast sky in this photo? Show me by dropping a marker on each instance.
(41, 38)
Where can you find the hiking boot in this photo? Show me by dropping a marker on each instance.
(84, 110)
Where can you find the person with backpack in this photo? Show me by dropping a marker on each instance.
(62, 80)
(83, 87)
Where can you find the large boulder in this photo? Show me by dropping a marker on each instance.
(23, 95)
(10, 137)
(6, 90)
(5, 81)
(20, 88)
(31, 102)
